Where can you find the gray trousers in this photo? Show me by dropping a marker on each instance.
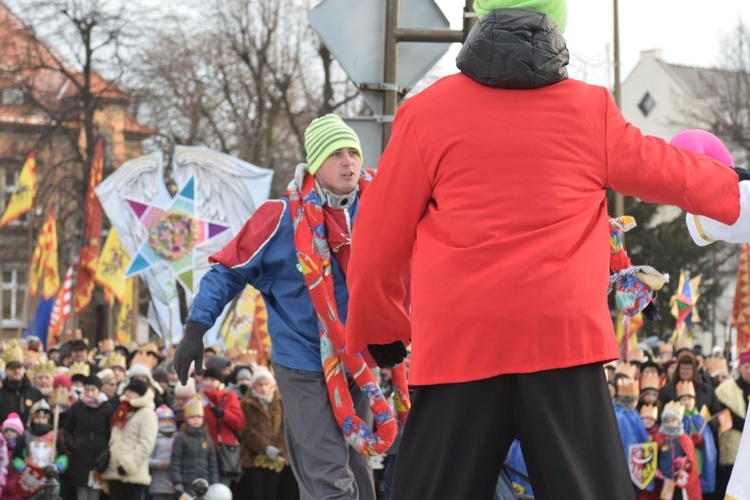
(325, 466)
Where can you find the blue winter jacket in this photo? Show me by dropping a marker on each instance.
(263, 255)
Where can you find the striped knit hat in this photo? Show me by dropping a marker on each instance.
(556, 9)
(324, 136)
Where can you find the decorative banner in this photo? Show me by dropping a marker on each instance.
(246, 326)
(642, 463)
(61, 311)
(44, 260)
(741, 309)
(683, 304)
(24, 192)
(88, 258)
(169, 239)
(114, 260)
(124, 325)
(725, 420)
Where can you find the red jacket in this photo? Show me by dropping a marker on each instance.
(493, 201)
(233, 420)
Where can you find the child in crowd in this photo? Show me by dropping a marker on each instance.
(161, 458)
(13, 431)
(677, 470)
(650, 416)
(193, 453)
(700, 433)
(40, 450)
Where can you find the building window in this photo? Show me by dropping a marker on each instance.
(9, 178)
(12, 297)
(12, 97)
(647, 104)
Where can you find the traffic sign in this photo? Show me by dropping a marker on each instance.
(354, 32)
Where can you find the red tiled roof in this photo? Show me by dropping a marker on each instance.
(29, 64)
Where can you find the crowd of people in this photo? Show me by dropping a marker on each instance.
(115, 421)
(692, 406)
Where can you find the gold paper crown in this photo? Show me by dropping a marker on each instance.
(636, 356)
(79, 368)
(673, 409)
(248, 358)
(114, 359)
(141, 358)
(44, 367)
(193, 408)
(627, 388)
(649, 411)
(685, 388)
(716, 366)
(13, 354)
(650, 381)
(625, 369)
(233, 353)
(106, 345)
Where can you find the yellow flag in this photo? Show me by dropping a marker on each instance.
(23, 193)
(113, 262)
(705, 413)
(44, 261)
(125, 317)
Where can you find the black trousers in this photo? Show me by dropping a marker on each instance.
(125, 491)
(458, 435)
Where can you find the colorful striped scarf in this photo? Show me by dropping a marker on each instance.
(314, 258)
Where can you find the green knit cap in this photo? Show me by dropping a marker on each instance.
(324, 136)
(556, 9)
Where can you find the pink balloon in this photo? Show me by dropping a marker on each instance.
(701, 141)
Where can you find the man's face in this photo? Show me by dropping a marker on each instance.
(110, 387)
(340, 172)
(15, 374)
(90, 391)
(745, 372)
(79, 355)
(119, 373)
(263, 387)
(43, 381)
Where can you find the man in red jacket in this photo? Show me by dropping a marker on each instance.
(490, 201)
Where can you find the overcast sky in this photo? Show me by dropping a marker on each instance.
(687, 31)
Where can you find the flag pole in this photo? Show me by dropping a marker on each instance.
(134, 310)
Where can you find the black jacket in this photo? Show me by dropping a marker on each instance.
(86, 437)
(515, 49)
(18, 398)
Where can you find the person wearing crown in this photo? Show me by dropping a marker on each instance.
(677, 466)
(79, 353)
(42, 447)
(632, 430)
(44, 376)
(734, 394)
(700, 433)
(650, 417)
(687, 369)
(17, 393)
(79, 371)
(650, 384)
(116, 362)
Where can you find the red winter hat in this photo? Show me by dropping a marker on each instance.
(745, 357)
(62, 380)
(14, 422)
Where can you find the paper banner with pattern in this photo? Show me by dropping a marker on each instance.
(246, 326)
(741, 309)
(170, 237)
(642, 462)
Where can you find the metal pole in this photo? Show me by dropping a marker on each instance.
(470, 18)
(619, 199)
(390, 71)
(134, 312)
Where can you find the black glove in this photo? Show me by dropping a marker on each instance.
(218, 412)
(387, 355)
(188, 350)
(744, 174)
(121, 470)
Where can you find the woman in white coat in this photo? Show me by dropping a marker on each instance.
(134, 428)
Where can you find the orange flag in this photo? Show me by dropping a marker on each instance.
(741, 309)
(24, 192)
(88, 258)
